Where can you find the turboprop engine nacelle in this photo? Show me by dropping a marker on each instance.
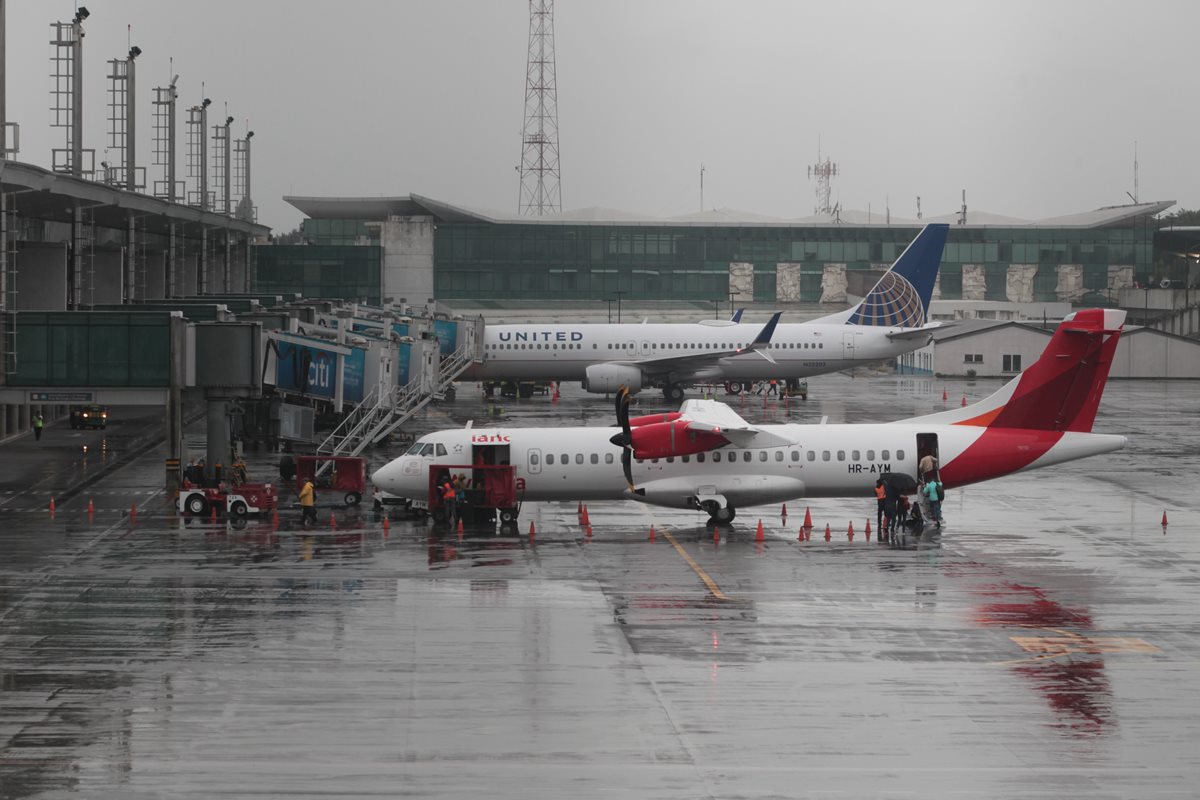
(608, 378)
(674, 438)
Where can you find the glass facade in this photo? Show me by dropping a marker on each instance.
(84, 348)
(683, 262)
(338, 232)
(345, 271)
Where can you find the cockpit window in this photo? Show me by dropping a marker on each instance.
(441, 449)
(427, 450)
(415, 449)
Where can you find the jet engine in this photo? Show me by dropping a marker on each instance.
(608, 378)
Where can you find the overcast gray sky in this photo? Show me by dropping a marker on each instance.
(1032, 107)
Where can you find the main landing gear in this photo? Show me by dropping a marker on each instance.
(719, 515)
(673, 392)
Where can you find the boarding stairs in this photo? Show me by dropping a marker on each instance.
(385, 409)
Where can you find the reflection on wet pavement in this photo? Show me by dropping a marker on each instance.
(1042, 645)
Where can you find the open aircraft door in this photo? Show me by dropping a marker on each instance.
(927, 444)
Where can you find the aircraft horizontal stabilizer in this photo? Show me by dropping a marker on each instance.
(923, 332)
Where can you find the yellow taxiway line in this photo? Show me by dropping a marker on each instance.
(699, 570)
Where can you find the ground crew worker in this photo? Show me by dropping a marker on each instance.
(879, 503)
(774, 390)
(307, 509)
(38, 423)
(450, 500)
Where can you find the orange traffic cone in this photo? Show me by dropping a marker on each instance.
(868, 530)
(386, 525)
(828, 533)
(1164, 522)
(758, 534)
(133, 511)
(944, 397)
(585, 520)
(807, 518)
(51, 505)
(652, 536)
(850, 532)
(91, 507)
(532, 530)
(588, 531)
(964, 402)
(579, 508)
(332, 521)
(801, 535)
(716, 535)
(460, 525)
(783, 512)
(212, 517)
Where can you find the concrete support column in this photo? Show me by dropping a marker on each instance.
(247, 256)
(227, 282)
(130, 293)
(171, 286)
(203, 268)
(75, 275)
(217, 424)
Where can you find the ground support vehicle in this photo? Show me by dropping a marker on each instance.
(513, 389)
(345, 476)
(90, 416)
(492, 490)
(233, 501)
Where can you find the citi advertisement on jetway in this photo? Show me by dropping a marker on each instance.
(312, 371)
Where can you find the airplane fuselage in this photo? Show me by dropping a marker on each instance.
(580, 463)
(564, 352)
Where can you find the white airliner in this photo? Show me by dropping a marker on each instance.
(890, 321)
(707, 457)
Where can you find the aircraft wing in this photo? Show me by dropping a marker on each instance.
(694, 362)
(712, 415)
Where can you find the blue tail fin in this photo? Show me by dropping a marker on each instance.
(901, 297)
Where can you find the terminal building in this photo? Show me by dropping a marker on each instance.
(416, 248)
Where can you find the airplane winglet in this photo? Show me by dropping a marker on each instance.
(764, 336)
(737, 315)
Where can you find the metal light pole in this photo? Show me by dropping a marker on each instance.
(618, 294)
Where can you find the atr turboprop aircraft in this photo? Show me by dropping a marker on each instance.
(707, 457)
(890, 321)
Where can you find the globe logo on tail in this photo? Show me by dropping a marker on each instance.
(893, 302)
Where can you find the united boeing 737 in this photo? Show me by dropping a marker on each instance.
(891, 320)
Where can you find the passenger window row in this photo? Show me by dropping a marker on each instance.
(716, 456)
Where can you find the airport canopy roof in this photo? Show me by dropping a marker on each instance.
(42, 194)
(380, 208)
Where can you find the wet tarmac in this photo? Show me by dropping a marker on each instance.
(1045, 644)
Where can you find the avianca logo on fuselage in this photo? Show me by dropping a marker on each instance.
(541, 336)
(490, 438)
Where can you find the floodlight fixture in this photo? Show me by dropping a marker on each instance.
(82, 13)
(206, 103)
(249, 134)
(228, 121)
(134, 52)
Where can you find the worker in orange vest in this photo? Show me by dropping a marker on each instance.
(879, 503)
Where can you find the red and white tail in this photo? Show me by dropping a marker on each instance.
(1061, 390)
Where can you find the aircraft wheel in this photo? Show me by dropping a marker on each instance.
(353, 498)
(673, 392)
(723, 515)
(196, 504)
(508, 515)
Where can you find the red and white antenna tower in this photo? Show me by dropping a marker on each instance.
(539, 139)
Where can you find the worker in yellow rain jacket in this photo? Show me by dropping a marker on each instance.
(307, 509)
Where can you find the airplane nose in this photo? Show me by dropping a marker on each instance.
(381, 477)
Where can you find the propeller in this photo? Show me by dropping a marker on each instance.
(624, 439)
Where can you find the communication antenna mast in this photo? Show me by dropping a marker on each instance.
(197, 161)
(824, 170)
(540, 194)
(962, 213)
(918, 206)
(164, 141)
(121, 122)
